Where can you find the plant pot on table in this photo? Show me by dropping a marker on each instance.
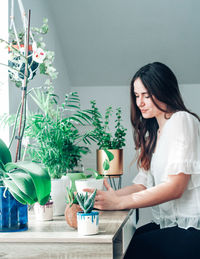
(13, 215)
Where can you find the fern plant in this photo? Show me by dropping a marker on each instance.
(86, 202)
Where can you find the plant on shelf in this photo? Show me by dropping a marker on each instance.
(87, 220)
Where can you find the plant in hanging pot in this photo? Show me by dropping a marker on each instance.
(114, 143)
(38, 58)
(21, 183)
(87, 220)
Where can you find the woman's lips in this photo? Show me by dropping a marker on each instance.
(143, 111)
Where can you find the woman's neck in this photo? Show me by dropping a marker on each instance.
(161, 119)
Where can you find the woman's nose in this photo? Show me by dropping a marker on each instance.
(140, 102)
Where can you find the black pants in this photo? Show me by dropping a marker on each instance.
(149, 241)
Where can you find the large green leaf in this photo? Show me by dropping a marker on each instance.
(24, 182)
(40, 178)
(17, 193)
(5, 155)
(109, 154)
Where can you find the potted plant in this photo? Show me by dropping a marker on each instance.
(87, 220)
(72, 208)
(39, 58)
(21, 183)
(114, 143)
(95, 181)
(56, 141)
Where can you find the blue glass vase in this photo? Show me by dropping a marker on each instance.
(13, 215)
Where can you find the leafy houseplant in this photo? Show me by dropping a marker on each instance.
(101, 134)
(27, 182)
(56, 140)
(88, 220)
(39, 57)
(106, 140)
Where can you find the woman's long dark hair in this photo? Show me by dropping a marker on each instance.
(162, 84)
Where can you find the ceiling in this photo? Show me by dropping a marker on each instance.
(104, 42)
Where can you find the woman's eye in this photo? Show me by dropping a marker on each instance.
(147, 96)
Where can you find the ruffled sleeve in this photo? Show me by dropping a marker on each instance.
(183, 147)
(141, 178)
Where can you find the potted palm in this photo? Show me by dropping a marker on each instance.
(114, 143)
(21, 183)
(56, 141)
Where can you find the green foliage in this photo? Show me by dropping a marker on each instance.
(101, 134)
(71, 197)
(106, 165)
(56, 138)
(46, 67)
(28, 182)
(86, 202)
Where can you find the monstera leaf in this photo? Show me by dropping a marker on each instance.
(27, 181)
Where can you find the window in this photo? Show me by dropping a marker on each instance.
(4, 90)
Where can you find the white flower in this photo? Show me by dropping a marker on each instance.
(38, 54)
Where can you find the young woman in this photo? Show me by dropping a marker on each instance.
(167, 139)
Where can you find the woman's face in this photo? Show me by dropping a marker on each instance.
(145, 103)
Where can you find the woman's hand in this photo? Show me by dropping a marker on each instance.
(106, 200)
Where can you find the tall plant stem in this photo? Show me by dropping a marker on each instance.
(24, 90)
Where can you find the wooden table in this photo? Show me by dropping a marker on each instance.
(55, 239)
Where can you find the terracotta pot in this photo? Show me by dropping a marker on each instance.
(116, 165)
(71, 215)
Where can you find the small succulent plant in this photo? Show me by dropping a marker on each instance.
(86, 202)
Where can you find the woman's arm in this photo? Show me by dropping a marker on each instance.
(172, 189)
(129, 189)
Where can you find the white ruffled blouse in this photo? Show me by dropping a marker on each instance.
(178, 150)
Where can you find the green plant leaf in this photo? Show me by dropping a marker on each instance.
(17, 193)
(109, 154)
(24, 182)
(40, 178)
(106, 165)
(5, 155)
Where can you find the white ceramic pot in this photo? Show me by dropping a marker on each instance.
(91, 183)
(88, 223)
(43, 212)
(58, 195)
